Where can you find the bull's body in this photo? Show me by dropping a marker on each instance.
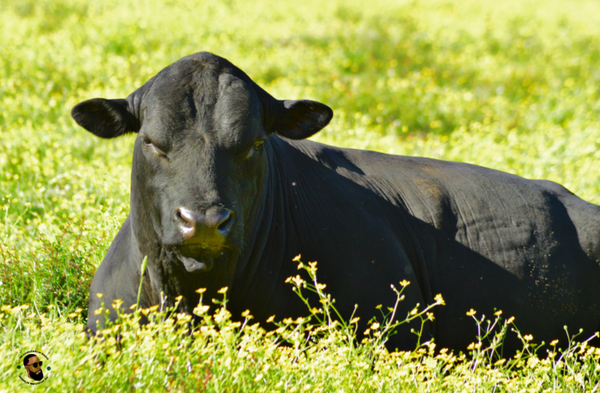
(483, 239)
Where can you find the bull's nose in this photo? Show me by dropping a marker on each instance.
(204, 227)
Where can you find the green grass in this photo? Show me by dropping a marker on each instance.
(513, 86)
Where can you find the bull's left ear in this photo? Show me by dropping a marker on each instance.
(301, 119)
(105, 118)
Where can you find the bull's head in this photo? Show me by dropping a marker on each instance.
(199, 162)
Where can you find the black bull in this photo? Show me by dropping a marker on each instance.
(225, 192)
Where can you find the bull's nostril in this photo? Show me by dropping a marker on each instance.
(185, 218)
(225, 222)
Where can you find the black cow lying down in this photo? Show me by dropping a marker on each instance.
(225, 191)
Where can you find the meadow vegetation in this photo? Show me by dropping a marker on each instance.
(514, 86)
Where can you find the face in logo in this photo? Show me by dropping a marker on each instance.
(33, 365)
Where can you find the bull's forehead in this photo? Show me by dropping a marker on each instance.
(196, 96)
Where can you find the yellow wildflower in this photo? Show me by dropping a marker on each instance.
(439, 299)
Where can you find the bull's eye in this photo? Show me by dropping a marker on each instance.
(259, 144)
(150, 145)
(147, 142)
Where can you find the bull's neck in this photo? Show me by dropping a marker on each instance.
(262, 271)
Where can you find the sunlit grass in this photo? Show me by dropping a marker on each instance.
(510, 85)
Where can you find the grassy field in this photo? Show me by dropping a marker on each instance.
(513, 86)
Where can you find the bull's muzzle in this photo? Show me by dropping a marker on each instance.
(208, 228)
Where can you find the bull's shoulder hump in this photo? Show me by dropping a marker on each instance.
(376, 164)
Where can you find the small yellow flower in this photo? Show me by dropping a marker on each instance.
(246, 313)
(474, 346)
(72, 315)
(510, 320)
(375, 326)
(297, 258)
(298, 281)
(354, 320)
(554, 342)
(439, 299)
(133, 306)
(200, 290)
(471, 312)
(313, 265)
(153, 308)
(98, 311)
(178, 298)
(500, 362)
(270, 319)
(528, 337)
(498, 313)
(430, 316)
(223, 290)
(183, 318)
(200, 309)
(99, 295)
(405, 283)
(321, 286)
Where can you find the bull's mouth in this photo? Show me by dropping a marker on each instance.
(193, 265)
(196, 258)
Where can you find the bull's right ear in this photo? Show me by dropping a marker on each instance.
(105, 118)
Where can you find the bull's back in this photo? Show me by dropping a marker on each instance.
(490, 240)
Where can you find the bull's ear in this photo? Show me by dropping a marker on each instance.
(105, 118)
(301, 119)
